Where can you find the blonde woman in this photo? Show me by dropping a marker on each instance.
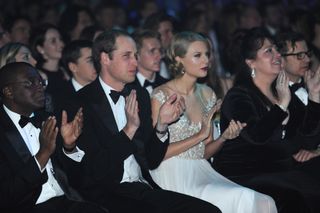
(185, 168)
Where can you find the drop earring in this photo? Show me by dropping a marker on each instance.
(253, 73)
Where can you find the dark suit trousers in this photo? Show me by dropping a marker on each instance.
(139, 197)
(63, 205)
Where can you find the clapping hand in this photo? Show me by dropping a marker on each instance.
(171, 110)
(282, 87)
(206, 124)
(132, 114)
(313, 84)
(47, 139)
(234, 129)
(72, 130)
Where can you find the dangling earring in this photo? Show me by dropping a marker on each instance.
(183, 71)
(253, 73)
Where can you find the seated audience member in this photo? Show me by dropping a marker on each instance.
(31, 177)
(149, 55)
(262, 156)
(297, 63)
(118, 139)
(19, 28)
(77, 59)
(185, 168)
(47, 46)
(4, 36)
(16, 52)
(163, 24)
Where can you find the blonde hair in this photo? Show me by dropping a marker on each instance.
(9, 51)
(179, 47)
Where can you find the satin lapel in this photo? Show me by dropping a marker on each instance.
(102, 108)
(14, 137)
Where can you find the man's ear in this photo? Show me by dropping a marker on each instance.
(72, 67)
(7, 93)
(104, 58)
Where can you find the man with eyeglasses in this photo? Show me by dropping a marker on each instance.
(32, 180)
(296, 63)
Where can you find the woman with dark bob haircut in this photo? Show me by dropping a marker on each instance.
(261, 157)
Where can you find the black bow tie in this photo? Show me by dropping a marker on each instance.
(24, 120)
(294, 87)
(148, 83)
(115, 95)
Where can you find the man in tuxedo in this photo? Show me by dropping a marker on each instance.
(296, 63)
(31, 179)
(118, 138)
(77, 59)
(149, 58)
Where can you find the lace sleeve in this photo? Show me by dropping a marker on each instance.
(159, 96)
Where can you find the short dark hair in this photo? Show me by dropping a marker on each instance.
(105, 42)
(72, 51)
(9, 73)
(153, 21)
(291, 37)
(140, 35)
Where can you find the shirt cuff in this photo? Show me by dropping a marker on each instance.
(41, 170)
(164, 137)
(76, 156)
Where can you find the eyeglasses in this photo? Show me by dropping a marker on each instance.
(32, 83)
(299, 55)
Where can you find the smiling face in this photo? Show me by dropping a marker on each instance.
(296, 67)
(267, 61)
(196, 60)
(52, 45)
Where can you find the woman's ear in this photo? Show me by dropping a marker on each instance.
(250, 63)
(40, 49)
(177, 59)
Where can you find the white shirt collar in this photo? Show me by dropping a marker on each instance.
(15, 117)
(76, 85)
(142, 79)
(291, 82)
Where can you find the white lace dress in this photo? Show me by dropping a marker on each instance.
(189, 173)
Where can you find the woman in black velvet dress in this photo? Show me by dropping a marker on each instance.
(261, 158)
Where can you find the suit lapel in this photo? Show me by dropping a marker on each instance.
(102, 107)
(14, 137)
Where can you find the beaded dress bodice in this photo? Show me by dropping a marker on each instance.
(184, 127)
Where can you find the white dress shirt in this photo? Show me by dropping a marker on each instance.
(142, 79)
(301, 93)
(30, 135)
(131, 169)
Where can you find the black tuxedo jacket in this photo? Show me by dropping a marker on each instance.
(101, 169)
(262, 147)
(20, 178)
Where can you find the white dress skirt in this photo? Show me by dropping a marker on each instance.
(189, 173)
